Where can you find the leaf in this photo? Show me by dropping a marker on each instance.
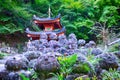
(23, 77)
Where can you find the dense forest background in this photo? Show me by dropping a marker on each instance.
(85, 18)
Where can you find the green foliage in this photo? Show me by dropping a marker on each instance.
(66, 64)
(94, 78)
(78, 16)
(80, 78)
(110, 16)
(23, 77)
(81, 68)
(91, 58)
(93, 61)
(58, 76)
(114, 48)
(35, 27)
(112, 74)
(13, 17)
(2, 55)
(34, 74)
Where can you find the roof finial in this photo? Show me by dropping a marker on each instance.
(49, 12)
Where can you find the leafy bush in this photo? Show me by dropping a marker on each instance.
(66, 64)
(112, 74)
(77, 15)
(2, 55)
(114, 48)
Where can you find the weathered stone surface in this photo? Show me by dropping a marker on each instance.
(108, 60)
(117, 54)
(81, 57)
(2, 67)
(43, 36)
(54, 44)
(92, 44)
(9, 50)
(62, 40)
(84, 50)
(53, 36)
(13, 76)
(46, 63)
(32, 63)
(87, 45)
(32, 54)
(72, 37)
(81, 42)
(4, 75)
(72, 77)
(96, 51)
(16, 63)
(26, 73)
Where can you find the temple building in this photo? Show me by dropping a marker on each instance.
(47, 25)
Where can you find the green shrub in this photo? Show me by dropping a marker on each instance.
(2, 55)
(66, 64)
(112, 74)
(114, 48)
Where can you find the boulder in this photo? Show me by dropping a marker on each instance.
(72, 77)
(16, 63)
(26, 73)
(108, 60)
(4, 75)
(92, 44)
(96, 51)
(117, 54)
(46, 63)
(53, 36)
(13, 76)
(43, 36)
(32, 63)
(62, 40)
(81, 42)
(32, 54)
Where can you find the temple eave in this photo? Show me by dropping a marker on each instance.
(47, 32)
(47, 21)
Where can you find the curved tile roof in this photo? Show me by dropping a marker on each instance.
(45, 19)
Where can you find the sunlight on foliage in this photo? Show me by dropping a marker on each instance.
(112, 74)
(66, 64)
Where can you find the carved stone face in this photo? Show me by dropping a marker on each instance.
(13, 64)
(92, 44)
(46, 63)
(32, 54)
(108, 60)
(16, 63)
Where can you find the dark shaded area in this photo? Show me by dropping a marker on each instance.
(14, 39)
